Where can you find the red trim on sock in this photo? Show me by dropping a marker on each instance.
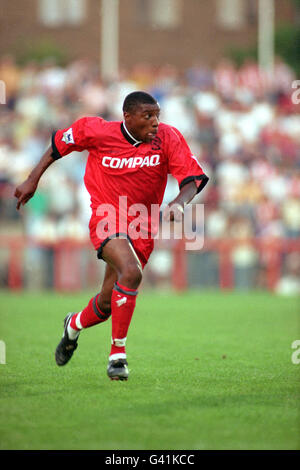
(125, 287)
(73, 322)
(97, 306)
(117, 350)
(88, 316)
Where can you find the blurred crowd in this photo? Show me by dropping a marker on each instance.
(241, 123)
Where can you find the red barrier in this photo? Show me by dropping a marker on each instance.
(67, 263)
(270, 251)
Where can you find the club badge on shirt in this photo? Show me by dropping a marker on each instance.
(68, 136)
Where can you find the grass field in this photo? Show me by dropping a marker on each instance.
(208, 371)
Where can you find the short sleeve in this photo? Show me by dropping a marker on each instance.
(81, 135)
(183, 165)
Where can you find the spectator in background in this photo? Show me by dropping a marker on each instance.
(225, 78)
(243, 122)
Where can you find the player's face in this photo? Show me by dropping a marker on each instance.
(143, 122)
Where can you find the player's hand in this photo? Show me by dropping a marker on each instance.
(24, 192)
(173, 212)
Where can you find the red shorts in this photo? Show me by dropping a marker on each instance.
(142, 246)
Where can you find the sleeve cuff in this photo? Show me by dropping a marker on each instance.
(55, 153)
(203, 178)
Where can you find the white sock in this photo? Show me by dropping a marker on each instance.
(117, 356)
(73, 334)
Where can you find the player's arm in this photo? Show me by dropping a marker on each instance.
(80, 136)
(175, 208)
(26, 190)
(185, 168)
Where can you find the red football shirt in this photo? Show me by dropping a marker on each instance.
(118, 165)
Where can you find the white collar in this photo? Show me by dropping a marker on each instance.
(136, 142)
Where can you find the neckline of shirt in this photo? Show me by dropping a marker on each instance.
(128, 136)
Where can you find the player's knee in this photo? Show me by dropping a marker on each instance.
(131, 275)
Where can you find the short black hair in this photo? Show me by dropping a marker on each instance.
(136, 98)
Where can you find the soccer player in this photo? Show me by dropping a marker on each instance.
(129, 162)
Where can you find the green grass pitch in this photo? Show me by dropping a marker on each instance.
(207, 371)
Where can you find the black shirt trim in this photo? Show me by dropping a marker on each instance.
(55, 153)
(129, 139)
(188, 179)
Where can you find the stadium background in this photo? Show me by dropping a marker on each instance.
(237, 116)
(226, 343)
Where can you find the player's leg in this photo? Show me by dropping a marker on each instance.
(117, 297)
(97, 311)
(120, 255)
(104, 298)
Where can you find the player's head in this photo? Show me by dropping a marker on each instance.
(137, 98)
(141, 115)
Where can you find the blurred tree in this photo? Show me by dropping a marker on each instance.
(240, 54)
(287, 43)
(287, 46)
(41, 51)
